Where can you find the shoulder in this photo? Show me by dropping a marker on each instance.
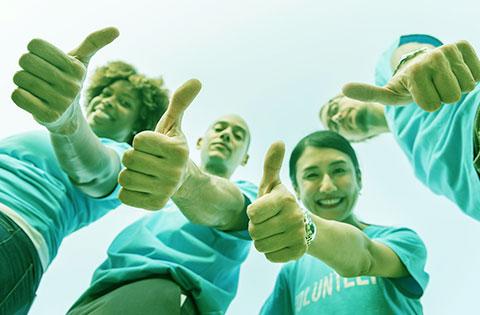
(248, 189)
(118, 147)
(393, 233)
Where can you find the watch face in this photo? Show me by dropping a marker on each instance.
(310, 227)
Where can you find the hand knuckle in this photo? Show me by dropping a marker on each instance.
(123, 195)
(251, 212)
(258, 246)
(463, 44)
(156, 202)
(252, 230)
(34, 43)
(438, 55)
(128, 157)
(416, 70)
(24, 60)
(139, 139)
(123, 178)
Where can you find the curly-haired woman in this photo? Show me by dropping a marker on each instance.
(53, 183)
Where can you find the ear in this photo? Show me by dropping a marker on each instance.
(359, 181)
(199, 143)
(245, 159)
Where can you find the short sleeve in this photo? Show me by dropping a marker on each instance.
(383, 71)
(412, 252)
(280, 301)
(248, 189)
(119, 148)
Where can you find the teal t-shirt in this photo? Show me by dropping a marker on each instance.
(33, 184)
(308, 286)
(202, 260)
(439, 145)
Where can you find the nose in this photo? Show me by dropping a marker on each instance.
(226, 135)
(327, 185)
(108, 102)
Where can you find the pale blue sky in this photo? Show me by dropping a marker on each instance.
(274, 63)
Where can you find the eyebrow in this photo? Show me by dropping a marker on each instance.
(335, 162)
(234, 127)
(338, 162)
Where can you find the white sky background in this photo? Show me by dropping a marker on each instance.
(274, 63)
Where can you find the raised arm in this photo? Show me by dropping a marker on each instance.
(278, 228)
(211, 200)
(425, 75)
(49, 88)
(158, 168)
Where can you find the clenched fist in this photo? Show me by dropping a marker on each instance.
(276, 224)
(157, 165)
(50, 80)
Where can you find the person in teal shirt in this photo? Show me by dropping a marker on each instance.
(186, 257)
(433, 112)
(336, 263)
(54, 183)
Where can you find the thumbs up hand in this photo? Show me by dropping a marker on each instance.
(157, 165)
(429, 79)
(276, 220)
(50, 80)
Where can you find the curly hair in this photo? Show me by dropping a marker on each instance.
(154, 96)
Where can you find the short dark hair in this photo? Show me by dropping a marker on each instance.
(153, 94)
(321, 139)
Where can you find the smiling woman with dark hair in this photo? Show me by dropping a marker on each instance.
(352, 267)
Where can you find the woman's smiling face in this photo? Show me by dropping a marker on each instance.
(328, 183)
(113, 113)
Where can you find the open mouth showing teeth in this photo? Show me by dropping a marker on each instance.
(331, 202)
(102, 115)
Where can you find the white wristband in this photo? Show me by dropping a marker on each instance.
(70, 115)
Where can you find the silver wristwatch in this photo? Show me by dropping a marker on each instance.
(310, 227)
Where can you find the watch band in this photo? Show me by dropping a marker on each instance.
(310, 227)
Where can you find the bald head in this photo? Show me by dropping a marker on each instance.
(225, 144)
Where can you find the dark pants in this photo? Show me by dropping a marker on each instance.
(20, 269)
(476, 142)
(152, 296)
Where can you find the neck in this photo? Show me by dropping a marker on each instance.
(216, 170)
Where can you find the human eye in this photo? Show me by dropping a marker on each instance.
(339, 171)
(218, 127)
(239, 136)
(310, 176)
(125, 103)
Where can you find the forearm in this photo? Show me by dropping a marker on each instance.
(342, 246)
(91, 166)
(211, 200)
